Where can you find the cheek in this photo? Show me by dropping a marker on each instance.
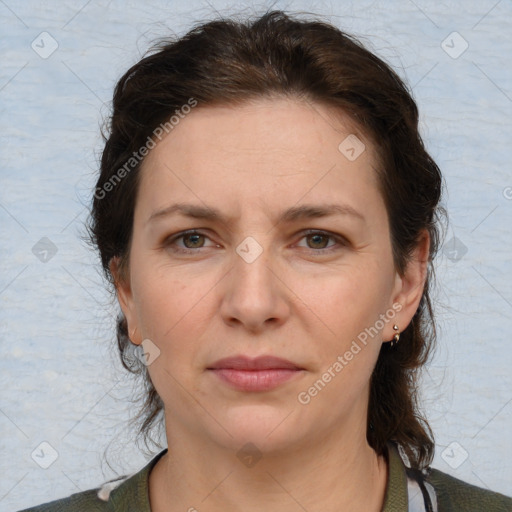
(170, 310)
(172, 307)
(349, 305)
(349, 298)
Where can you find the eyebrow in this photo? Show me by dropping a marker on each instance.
(293, 214)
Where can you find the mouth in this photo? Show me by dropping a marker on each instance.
(263, 373)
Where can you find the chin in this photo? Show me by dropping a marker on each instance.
(267, 428)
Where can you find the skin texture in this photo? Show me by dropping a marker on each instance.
(296, 300)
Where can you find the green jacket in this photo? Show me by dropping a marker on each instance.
(130, 494)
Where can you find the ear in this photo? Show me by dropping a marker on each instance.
(125, 299)
(409, 286)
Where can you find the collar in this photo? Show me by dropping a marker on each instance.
(396, 490)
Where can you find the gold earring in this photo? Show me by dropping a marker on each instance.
(396, 337)
(134, 330)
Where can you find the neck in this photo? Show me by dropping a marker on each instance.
(331, 475)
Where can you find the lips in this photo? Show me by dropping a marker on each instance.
(263, 373)
(258, 363)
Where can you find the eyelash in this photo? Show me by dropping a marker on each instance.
(340, 240)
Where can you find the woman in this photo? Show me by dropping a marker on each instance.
(268, 215)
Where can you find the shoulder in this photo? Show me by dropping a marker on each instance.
(128, 492)
(86, 501)
(454, 495)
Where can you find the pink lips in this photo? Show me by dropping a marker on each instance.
(260, 374)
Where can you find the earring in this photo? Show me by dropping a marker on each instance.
(396, 337)
(134, 330)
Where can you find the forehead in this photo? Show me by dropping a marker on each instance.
(265, 152)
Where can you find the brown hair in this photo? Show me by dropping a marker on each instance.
(229, 62)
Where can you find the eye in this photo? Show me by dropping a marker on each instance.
(192, 241)
(319, 239)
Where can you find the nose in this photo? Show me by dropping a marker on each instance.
(254, 294)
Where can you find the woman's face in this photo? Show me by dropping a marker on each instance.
(269, 275)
